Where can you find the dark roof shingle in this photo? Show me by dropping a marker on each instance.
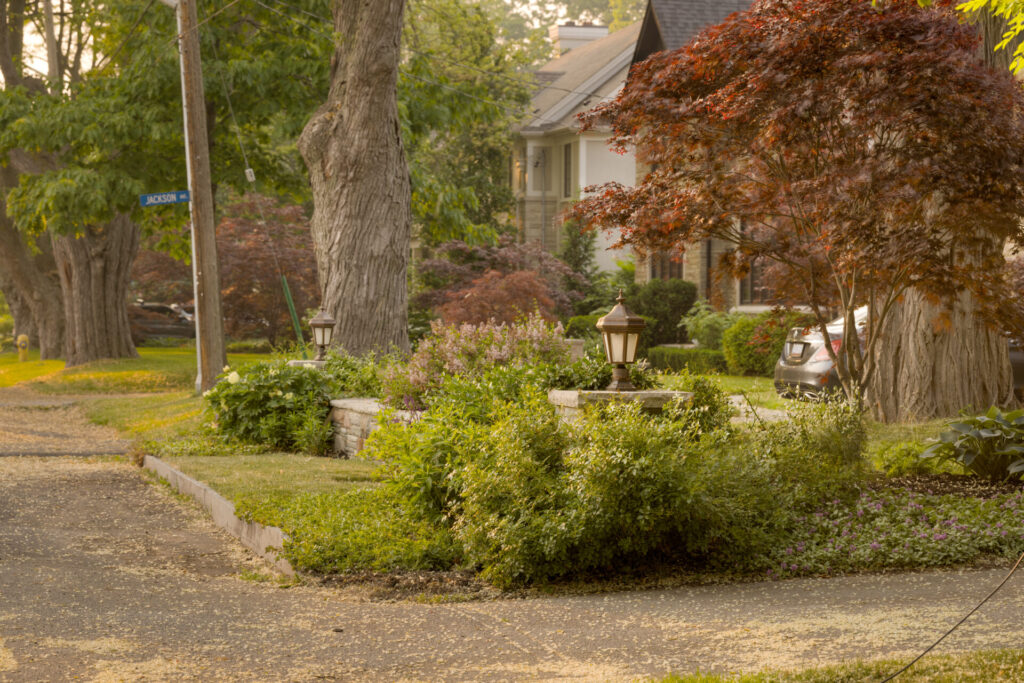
(676, 22)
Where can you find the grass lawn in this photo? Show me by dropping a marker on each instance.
(14, 372)
(275, 475)
(172, 426)
(760, 390)
(155, 370)
(974, 667)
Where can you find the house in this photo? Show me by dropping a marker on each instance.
(552, 162)
(669, 25)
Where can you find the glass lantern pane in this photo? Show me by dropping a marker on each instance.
(318, 336)
(631, 345)
(618, 350)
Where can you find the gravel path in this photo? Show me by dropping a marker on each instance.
(40, 425)
(105, 576)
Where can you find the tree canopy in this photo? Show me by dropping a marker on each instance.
(861, 150)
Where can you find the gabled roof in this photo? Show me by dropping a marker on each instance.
(671, 24)
(580, 79)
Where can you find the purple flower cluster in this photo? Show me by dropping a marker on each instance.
(900, 529)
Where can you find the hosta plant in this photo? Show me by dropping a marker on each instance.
(990, 445)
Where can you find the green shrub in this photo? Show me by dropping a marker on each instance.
(990, 445)
(752, 346)
(350, 376)
(741, 357)
(583, 327)
(547, 498)
(6, 331)
(706, 326)
(699, 360)
(272, 403)
(709, 409)
(772, 329)
(591, 372)
(664, 302)
(817, 451)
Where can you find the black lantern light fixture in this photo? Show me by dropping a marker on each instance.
(323, 331)
(621, 332)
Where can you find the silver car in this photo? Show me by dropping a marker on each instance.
(804, 368)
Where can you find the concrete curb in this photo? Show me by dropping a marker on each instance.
(265, 541)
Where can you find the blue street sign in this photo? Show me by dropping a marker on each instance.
(164, 198)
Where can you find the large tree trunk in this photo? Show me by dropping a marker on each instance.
(24, 323)
(30, 284)
(932, 366)
(935, 363)
(94, 273)
(360, 181)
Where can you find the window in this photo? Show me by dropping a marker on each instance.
(754, 288)
(666, 266)
(567, 188)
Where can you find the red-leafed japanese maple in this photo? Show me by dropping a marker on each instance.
(862, 150)
(253, 255)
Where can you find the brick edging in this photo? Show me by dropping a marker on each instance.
(265, 541)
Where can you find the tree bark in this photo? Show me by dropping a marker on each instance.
(360, 180)
(30, 284)
(935, 363)
(24, 323)
(94, 272)
(932, 361)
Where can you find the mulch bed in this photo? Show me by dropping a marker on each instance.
(968, 486)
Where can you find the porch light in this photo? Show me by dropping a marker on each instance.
(621, 332)
(323, 331)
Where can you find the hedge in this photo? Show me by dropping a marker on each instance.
(697, 361)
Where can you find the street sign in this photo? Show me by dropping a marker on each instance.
(164, 198)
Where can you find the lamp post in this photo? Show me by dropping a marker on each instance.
(621, 332)
(323, 330)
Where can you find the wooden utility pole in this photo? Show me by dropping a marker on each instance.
(211, 356)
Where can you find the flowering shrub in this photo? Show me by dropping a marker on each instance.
(272, 403)
(468, 349)
(898, 529)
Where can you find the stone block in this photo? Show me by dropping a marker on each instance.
(569, 403)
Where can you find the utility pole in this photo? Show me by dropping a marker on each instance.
(210, 354)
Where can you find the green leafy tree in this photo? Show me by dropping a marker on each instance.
(87, 142)
(463, 85)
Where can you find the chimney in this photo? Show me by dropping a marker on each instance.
(570, 35)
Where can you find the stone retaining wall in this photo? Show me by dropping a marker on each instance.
(354, 419)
